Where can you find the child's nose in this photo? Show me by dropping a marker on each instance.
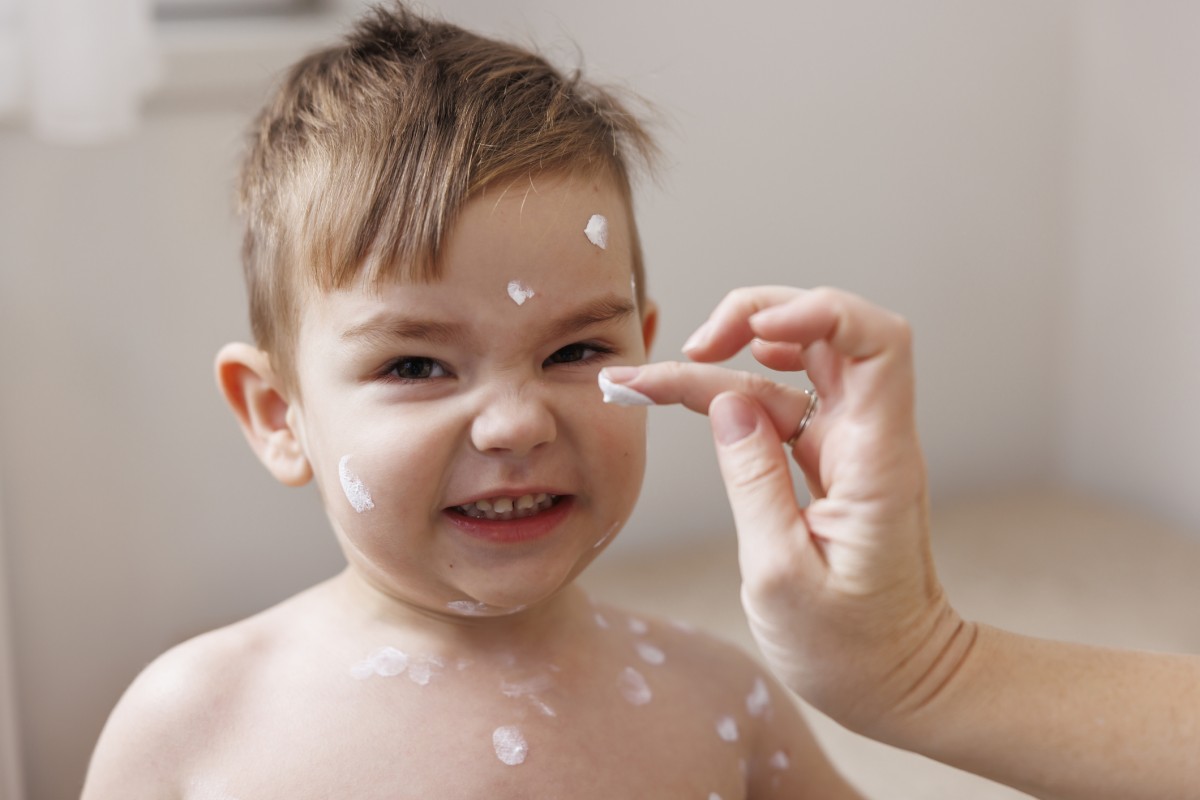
(513, 423)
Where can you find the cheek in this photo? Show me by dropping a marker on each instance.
(620, 441)
(385, 467)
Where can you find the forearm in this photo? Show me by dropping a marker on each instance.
(1064, 721)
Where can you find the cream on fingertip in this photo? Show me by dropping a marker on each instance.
(620, 395)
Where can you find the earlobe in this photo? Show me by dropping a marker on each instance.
(649, 325)
(257, 400)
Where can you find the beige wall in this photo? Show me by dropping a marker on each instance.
(923, 153)
(1131, 372)
(10, 756)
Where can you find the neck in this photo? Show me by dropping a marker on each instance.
(529, 629)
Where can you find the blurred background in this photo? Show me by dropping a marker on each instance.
(1020, 178)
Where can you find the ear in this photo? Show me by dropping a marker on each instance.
(256, 397)
(649, 324)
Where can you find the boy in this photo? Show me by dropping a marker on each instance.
(441, 257)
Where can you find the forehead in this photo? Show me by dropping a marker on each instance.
(512, 239)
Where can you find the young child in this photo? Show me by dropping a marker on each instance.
(441, 257)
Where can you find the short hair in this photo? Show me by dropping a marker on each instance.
(362, 159)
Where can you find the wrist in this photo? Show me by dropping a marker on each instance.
(922, 685)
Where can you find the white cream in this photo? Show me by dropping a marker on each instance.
(634, 687)
(470, 608)
(519, 293)
(650, 654)
(385, 662)
(356, 491)
(637, 626)
(620, 395)
(601, 622)
(759, 699)
(422, 668)
(597, 230)
(779, 760)
(510, 745)
(616, 526)
(727, 729)
(535, 685)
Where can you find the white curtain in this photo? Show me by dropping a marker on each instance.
(76, 71)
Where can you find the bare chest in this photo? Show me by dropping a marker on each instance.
(461, 731)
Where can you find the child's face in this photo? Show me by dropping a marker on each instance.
(423, 399)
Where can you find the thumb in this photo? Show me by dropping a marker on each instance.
(757, 479)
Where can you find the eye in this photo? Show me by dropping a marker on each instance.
(415, 368)
(579, 351)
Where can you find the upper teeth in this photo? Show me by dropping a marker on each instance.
(508, 507)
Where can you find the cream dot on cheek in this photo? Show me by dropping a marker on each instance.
(356, 491)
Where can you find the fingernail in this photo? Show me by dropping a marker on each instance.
(699, 338)
(767, 315)
(733, 418)
(620, 374)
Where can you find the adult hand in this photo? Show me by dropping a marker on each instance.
(841, 596)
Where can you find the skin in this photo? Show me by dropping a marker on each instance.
(507, 405)
(843, 597)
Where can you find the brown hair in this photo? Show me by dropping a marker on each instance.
(369, 149)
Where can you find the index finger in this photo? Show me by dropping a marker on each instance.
(727, 329)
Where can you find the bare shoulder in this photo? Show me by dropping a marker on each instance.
(745, 704)
(177, 702)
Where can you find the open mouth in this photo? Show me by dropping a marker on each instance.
(506, 508)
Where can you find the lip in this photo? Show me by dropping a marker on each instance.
(512, 531)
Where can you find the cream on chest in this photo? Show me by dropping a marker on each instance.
(401, 723)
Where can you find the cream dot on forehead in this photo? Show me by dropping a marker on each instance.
(597, 231)
(519, 292)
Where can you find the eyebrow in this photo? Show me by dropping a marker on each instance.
(611, 308)
(387, 328)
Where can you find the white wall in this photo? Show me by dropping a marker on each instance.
(917, 152)
(1130, 422)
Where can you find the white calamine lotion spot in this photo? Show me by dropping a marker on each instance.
(637, 626)
(619, 395)
(511, 747)
(355, 491)
(779, 760)
(714, 796)
(385, 662)
(727, 729)
(759, 700)
(519, 293)
(597, 231)
(634, 687)
(422, 668)
(650, 654)
(469, 608)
